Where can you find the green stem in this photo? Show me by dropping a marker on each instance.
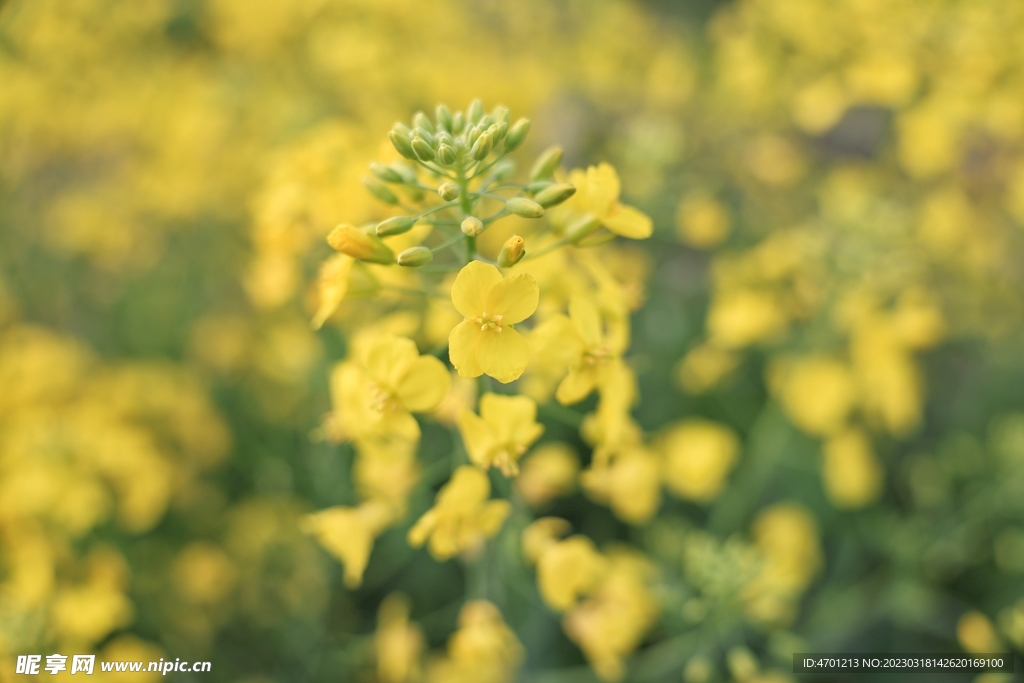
(445, 245)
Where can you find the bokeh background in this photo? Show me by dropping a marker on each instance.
(837, 188)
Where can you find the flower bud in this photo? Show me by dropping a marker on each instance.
(446, 154)
(474, 133)
(407, 171)
(527, 208)
(402, 142)
(546, 163)
(358, 244)
(448, 191)
(419, 132)
(395, 226)
(472, 226)
(512, 252)
(385, 173)
(458, 122)
(482, 147)
(503, 169)
(380, 190)
(475, 112)
(444, 117)
(422, 149)
(414, 257)
(555, 194)
(497, 131)
(516, 134)
(420, 120)
(502, 115)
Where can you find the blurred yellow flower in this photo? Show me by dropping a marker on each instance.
(549, 472)
(398, 644)
(977, 634)
(485, 342)
(704, 367)
(462, 516)
(348, 533)
(744, 317)
(483, 650)
(567, 570)
(596, 203)
(541, 535)
(629, 482)
(817, 393)
(702, 222)
(852, 473)
(505, 428)
(698, 456)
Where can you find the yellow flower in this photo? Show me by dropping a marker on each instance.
(541, 535)
(374, 397)
(704, 367)
(630, 484)
(483, 650)
(702, 222)
(613, 621)
(505, 428)
(977, 634)
(398, 643)
(568, 570)
(853, 477)
(549, 472)
(462, 516)
(348, 533)
(581, 342)
(596, 203)
(698, 456)
(817, 394)
(485, 342)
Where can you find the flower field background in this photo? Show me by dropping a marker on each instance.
(735, 371)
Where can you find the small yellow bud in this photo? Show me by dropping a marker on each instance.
(448, 191)
(385, 173)
(516, 135)
(527, 208)
(472, 226)
(512, 252)
(475, 112)
(358, 244)
(446, 154)
(555, 194)
(414, 257)
(395, 226)
(402, 142)
(546, 163)
(422, 149)
(380, 190)
(482, 146)
(444, 117)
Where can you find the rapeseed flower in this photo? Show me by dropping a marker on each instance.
(596, 204)
(486, 342)
(501, 433)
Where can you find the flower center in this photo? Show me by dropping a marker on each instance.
(382, 400)
(489, 322)
(597, 355)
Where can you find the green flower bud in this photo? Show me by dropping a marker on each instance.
(414, 257)
(482, 147)
(401, 142)
(497, 132)
(446, 154)
(421, 120)
(380, 190)
(502, 115)
(385, 173)
(458, 122)
(555, 194)
(527, 208)
(516, 134)
(546, 163)
(407, 171)
(475, 111)
(538, 186)
(444, 117)
(503, 169)
(426, 135)
(360, 245)
(445, 138)
(472, 226)
(422, 149)
(474, 133)
(512, 252)
(448, 191)
(395, 226)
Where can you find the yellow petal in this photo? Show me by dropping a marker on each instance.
(477, 435)
(462, 348)
(502, 355)
(388, 359)
(344, 534)
(556, 342)
(493, 515)
(602, 188)
(576, 386)
(514, 418)
(423, 527)
(425, 384)
(586, 319)
(630, 222)
(469, 292)
(514, 298)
